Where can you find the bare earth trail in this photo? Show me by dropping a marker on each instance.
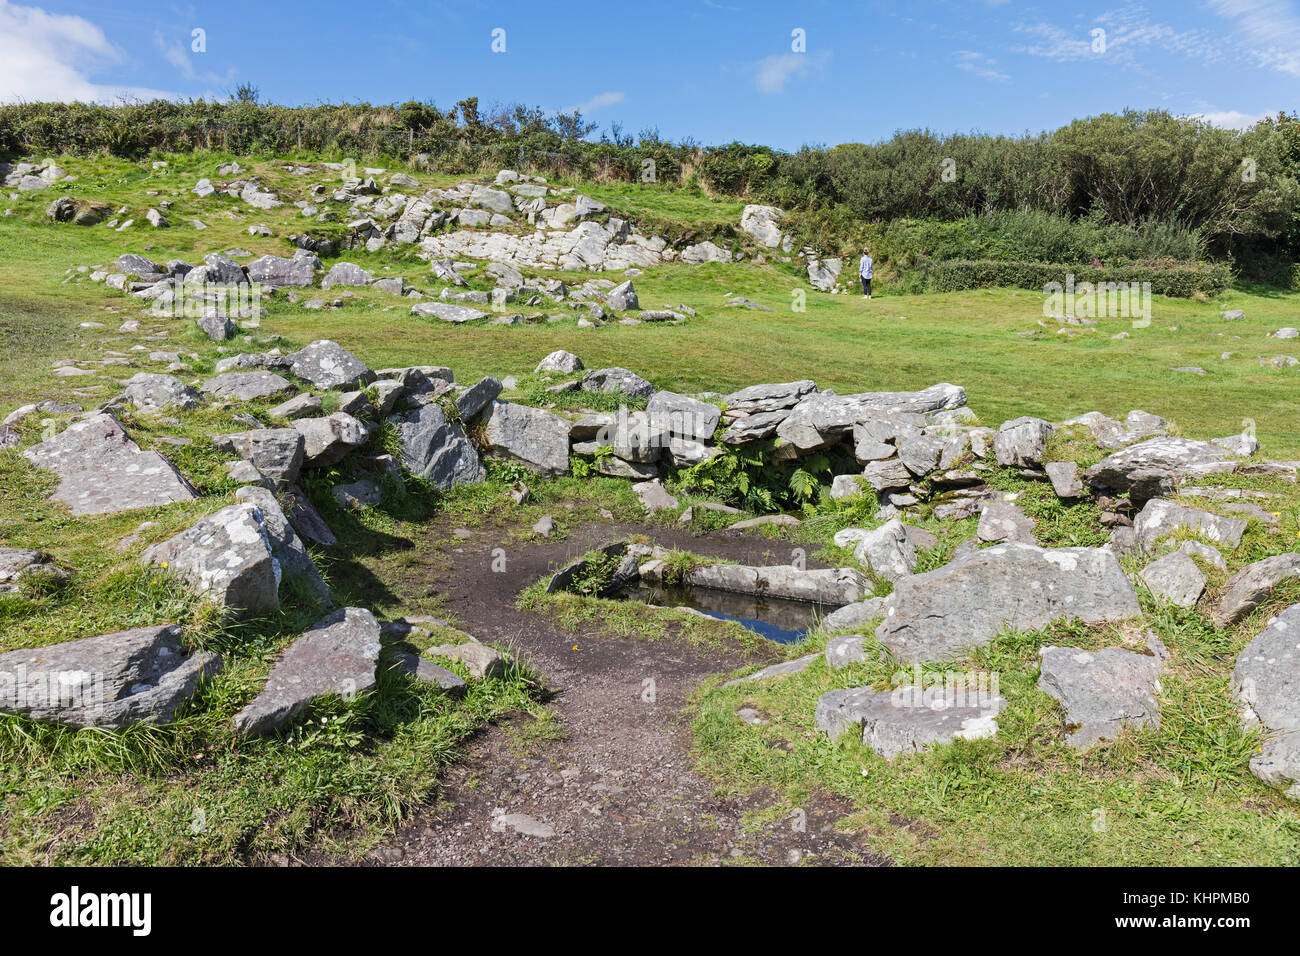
(619, 786)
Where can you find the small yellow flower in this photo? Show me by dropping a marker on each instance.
(164, 564)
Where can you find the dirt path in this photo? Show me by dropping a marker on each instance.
(619, 788)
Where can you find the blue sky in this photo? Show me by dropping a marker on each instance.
(715, 70)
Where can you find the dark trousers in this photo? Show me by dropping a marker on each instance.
(866, 285)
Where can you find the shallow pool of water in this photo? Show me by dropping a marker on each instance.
(776, 619)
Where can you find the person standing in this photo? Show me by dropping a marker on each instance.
(864, 273)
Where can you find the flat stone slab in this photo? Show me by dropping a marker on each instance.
(1005, 521)
(854, 615)
(783, 669)
(482, 661)
(247, 386)
(1101, 692)
(327, 364)
(907, 719)
(834, 586)
(845, 650)
(1159, 518)
(101, 470)
(427, 672)
(337, 655)
(1066, 479)
(1251, 586)
(1266, 682)
(969, 601)
(1152, 468)
(113, 680)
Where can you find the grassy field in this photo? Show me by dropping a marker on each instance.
(193, 793)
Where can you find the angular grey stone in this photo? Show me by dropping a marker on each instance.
(152, 392)
(531, 436)
(969, 601)
(1159, 518)
(560, 361)
(1101, 692)
(216, 325)
(1152, 468)
(327, 364)
(346, 274)
(622, 297)
(328, 440)
(296, 564)
(337, 655)
(884, 475)
(300, 406)
(653, 497)
(761, 224)
(921, 454)
(887, 550)
(1205, 552)
(617, 379)
(482, 661)
(1022, 443)
(279, 271)
(1176, 578)
(1065, 478)
(226, 557)
(758, 399)
(427, 672)
(141, 676)
(1004, 521)
(476, 398)
(820, 418)
(246, 386)
(136, 265)
(435, 449)
(683, 416)
(101, 470)
(1252, 586)
(277, 453)
(223, 271)
(1266, 681)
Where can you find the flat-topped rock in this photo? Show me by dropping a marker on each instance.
(327, 364)
(337, 655)
(1175, 578)
(277, 453)
(1153, 467)
(101, 470)
(908, 719)
(1252, 586)
(247, 386)
(1159, 518)
(969, 601)
(152, 392)
(1101, 692)
(140, 676)
(833, 586)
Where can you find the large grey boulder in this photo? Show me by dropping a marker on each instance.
(279, 271)
(1101, 692)
(844, 650)
(969, 601)
(757, 399)
(328, 440)
(225, 557)
(216, 325)
(1153, 468)
(617, 380)
(435, 449)
(857, 614)
(223, 271)
(560, 361)
(761, 222)
(1022, 443)
(141, 676)
(1252, 586)
(101, 470)
(337, 655)
(1175, 578)
(496, 200)
(346, 274)
(1159, 518)
(683, 416)
(277, 453)
(247, 386)
(920, 454)
(1266, 682)
(152, 392)
(887, 550)
(907, 719)
(829, 586)
(821, 418)
(531, 436)
(327, 364)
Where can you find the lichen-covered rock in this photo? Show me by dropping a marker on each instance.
(435, 449)
(152, 392)
(1101, 692)
(1252, 586)
(327, 364)
(1266, 682)
(531, 436)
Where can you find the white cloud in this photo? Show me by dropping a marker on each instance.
(980, 65)
(48, 56)
(773, 72)
(1231, 119)
(174, 52)
(1271, 29)
(1120, 36)
(597, 102)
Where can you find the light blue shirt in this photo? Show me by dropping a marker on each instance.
(864, 267)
